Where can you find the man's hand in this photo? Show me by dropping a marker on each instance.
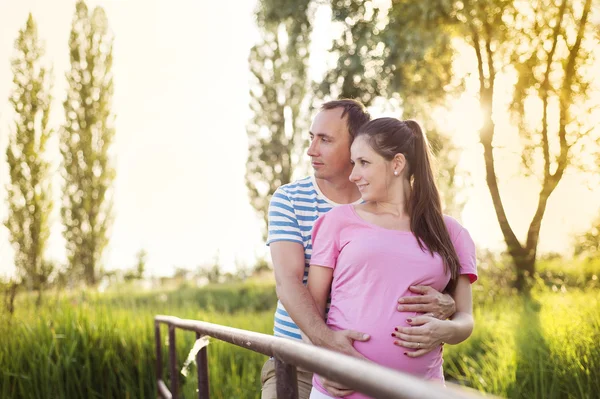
(336, 389)
(342, 342)
(430, 301)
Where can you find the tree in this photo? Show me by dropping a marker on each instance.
(384, 52)
(10, 289)
(544, 43)
(548, 47)
(140, 267)
(278, 98)
(29, 191)
(85, 141)
(588, 244)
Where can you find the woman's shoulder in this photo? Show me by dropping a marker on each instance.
(454, 227)
(456, 230)
(340, 211)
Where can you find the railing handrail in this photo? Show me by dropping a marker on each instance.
(360, 375)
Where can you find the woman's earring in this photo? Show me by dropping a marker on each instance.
(395, 173)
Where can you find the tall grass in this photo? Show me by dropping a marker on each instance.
(102, 345)
(547, 346)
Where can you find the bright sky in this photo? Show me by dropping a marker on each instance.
(181, 84)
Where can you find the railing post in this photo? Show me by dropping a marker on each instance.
(286, 380)
(202, 369)
(158, 351)
(173, 362)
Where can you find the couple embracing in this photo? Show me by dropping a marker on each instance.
(365, 262)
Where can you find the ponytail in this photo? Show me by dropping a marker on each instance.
(425, 208)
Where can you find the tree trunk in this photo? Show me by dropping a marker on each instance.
(525, 268)
(11, 294)
(38, 301)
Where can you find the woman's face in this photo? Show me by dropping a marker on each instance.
(372, 173)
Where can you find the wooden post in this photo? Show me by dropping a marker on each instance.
(202, 369)
(286, 380)
(173, 362)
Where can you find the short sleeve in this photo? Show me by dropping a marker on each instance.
(325, 241)
(283, 223)
(465, 249)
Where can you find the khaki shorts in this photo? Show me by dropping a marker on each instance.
(269, 387)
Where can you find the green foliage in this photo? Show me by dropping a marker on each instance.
(102, 345)
(388, 52)
(29, 194)
(91, 345)
(279, 99)
(546, 347)
(85, 141)
(588, 244)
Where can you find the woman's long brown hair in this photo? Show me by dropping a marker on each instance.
(390, 136)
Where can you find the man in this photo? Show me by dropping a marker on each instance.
(293, 210)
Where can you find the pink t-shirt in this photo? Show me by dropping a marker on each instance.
(373, 267)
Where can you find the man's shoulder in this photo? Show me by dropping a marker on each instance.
(304, 184)
(302, 191)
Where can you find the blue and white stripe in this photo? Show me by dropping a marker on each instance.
(293, 210)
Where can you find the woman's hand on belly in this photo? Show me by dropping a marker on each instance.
(425, 334)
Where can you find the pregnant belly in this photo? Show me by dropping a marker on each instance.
(380, 347)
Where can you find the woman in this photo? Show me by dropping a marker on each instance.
(398, 237)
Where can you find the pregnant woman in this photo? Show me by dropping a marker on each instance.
(367, 254)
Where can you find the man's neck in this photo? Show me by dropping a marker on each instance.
(341, 191)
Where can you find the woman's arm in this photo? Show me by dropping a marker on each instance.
(319, 286)
(460, 325)
(427, 333)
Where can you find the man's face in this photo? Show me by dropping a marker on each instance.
(329, 149)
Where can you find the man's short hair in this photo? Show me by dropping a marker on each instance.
(356, 111)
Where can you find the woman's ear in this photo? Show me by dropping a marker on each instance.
(399, 164)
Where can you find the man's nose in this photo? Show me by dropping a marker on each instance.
(313, 149)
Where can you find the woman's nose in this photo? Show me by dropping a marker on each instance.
(354, 176)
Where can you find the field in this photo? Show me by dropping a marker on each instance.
(92, 345)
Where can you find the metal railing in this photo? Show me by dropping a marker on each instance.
(371, 379)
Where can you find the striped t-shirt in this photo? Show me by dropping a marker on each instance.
(293, 210)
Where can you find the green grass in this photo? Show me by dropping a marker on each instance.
(102, 345)
(544, 347)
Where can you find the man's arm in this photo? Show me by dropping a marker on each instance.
(288, 264)
(439, 305)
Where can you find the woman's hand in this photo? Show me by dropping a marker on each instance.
(425, 334)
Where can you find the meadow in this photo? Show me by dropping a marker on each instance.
(101, 345)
